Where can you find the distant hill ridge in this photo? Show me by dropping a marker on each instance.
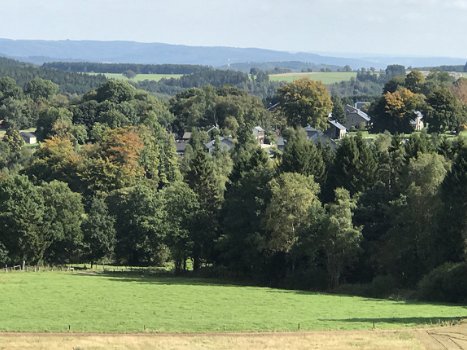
(40, 51)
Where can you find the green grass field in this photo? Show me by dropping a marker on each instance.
(51, 301)
(324, 77)
(140, 77)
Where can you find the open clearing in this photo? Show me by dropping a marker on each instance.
(324, 77)
(140, 77)
(92, 302)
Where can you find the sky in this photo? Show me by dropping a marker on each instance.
(389, 27)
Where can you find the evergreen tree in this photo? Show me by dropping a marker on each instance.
(302, 156)
(338, 109)
(354, 166)
(208, 185)
(246, 198)
(453, 227)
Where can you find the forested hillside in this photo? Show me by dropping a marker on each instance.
(72, 83)
(369, 216)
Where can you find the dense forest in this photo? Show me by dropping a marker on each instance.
(82, 67)
(375, 217)
(70, 83)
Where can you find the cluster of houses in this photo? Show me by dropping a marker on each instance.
(355, 119)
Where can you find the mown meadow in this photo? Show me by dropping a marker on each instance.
(135, 302)
(325, 77)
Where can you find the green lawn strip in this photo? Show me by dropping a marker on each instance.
(325, 77)
(53, 301)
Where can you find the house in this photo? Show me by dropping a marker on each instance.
(29, 137)
(417, 122)
(335, 130)
(280, 143)
(186, 136)
(180, 146)
(259, 134)
(226, 144)
(312, 133)
(356, 118)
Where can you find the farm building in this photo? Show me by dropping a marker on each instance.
(356, 118)
(336, 130)
(29, 138)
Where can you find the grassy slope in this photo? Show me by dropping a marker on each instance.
(141, 77)
(50, 301)
(325, 77)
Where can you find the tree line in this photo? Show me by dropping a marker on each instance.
(68, 82)
(86, 67)
(106, 184)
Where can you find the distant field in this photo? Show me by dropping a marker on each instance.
(119, 302)
(140, 77)
(324, 77)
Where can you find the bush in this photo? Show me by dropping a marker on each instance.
(447, 282)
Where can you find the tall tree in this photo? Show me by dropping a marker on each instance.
(292, 197)
(305, 102)
(444, 112)
(414, 218)
(98, 231)
(302, 156)
(21, 220)
(140, 225)
(63, 216)
(340, 238)
(246, 199)
(354, 166)
(182, 208)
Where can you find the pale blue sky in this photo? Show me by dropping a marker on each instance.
(399, 27)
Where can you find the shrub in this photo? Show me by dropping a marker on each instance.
(447, 282)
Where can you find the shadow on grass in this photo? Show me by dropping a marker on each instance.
(435, 321)
(170, 279)
(165, 279)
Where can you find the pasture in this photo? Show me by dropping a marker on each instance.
(325, 77)
(132, 303)
(140, 77)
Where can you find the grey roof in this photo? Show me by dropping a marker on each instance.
(363, 115)
(186, 135)
(352, 110)
(310, 128)
(337, 124)
(280, 141)
(258, 128)
(181, 146)
(27, 134)
(274, 106)
(226, 143)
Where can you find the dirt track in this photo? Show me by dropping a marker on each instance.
(442, 338)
